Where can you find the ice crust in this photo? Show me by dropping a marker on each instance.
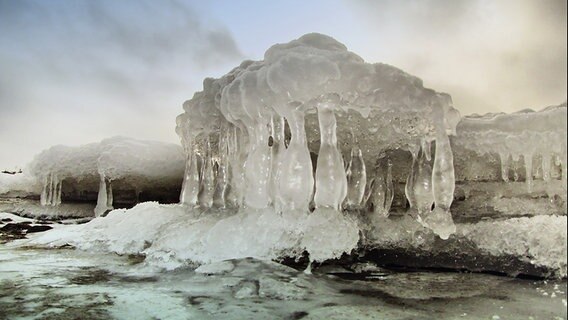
(171, 237)
(138, 164)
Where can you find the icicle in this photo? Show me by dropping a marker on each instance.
(356, 180)
(257, 168)
(241, 153)
(296, 180)
(221, 178)
(58, 197)
(232, 193)
(389, 195)
(409, 187)
(504, 166)
(278, 151)
(426, 146)
(101, 207)
(207, 179)
(379, 191)
(546, 166)
(50, 190)
(54, 191)
(515, 166)
(43, 196)
(443, 185)
(423, 195)
(308, 269)
(110, 198)
(331, 182)
(529, 170)
(190, 188)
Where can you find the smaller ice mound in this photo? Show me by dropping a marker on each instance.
(119, 166)
(19, 185)
(171, 236)
(527, 144)
(512, 164)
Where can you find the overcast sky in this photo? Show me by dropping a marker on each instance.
(78, 71)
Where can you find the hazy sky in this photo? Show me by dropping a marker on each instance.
(78, 71)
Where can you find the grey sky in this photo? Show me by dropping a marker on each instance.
(78, 71)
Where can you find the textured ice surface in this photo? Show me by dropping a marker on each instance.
(121, 162)
(172, 236)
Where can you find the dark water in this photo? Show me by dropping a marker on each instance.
(70, 284)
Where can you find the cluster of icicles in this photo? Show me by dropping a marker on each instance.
(51, 191)
(542, 155)
(257, 167)
(547, 159)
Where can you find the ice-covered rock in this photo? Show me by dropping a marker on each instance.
(322, 100)
(118, 165)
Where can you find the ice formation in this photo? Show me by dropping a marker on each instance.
(116, 162)
(528, 143)
(312, 150)
(262, 124)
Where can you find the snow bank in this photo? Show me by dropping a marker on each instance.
(20, 184)
(172, 236)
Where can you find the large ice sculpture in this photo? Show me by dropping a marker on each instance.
(118, 163)
(321, 99)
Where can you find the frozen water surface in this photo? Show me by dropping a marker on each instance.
(70, 284)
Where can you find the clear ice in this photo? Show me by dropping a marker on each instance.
(294, 117)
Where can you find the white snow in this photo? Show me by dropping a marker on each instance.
(172, 236)
(19, 183)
